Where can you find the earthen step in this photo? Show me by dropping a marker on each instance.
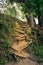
(20, 31)
(19, 28)
(19, 47)
(23, 26)
(28, 38)
(21, 35)
(23, 54)
(19, 39)
(29, 41)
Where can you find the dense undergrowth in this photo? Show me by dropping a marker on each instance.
(7, 31)
(37, 45)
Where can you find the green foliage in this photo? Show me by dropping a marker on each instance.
(38, 6)
(7, 31)
(23, 8)
(34, 6)
(37, 45)
(38, 50)
(5, 44)
(2, 62)
(40, 60)
(11, 11)
(11, 1)
(2, 24)
(8, 27)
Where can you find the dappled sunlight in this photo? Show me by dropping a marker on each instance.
(20, 14)
(36, 20)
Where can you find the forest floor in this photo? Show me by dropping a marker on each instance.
(26, 61)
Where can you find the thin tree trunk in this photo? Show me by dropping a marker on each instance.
(40, 20)
(31, 20)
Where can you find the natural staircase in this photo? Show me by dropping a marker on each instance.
(20, 41)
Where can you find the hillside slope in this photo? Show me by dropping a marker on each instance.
(16, 37)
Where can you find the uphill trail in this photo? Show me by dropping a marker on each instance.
(19, 45)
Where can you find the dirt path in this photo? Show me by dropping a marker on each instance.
(21, 37)
(26, 61)
(21, 41)
(19, 47)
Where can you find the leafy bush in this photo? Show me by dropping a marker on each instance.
(38, 50)
(11, 11)
(37, 46)
(7, 31)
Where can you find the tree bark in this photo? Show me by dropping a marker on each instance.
(31, 20)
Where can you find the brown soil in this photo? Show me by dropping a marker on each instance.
(26, 61)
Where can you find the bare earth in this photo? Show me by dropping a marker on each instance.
(26, 61)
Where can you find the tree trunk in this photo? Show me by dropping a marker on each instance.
(40, 20)
(31, 20)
